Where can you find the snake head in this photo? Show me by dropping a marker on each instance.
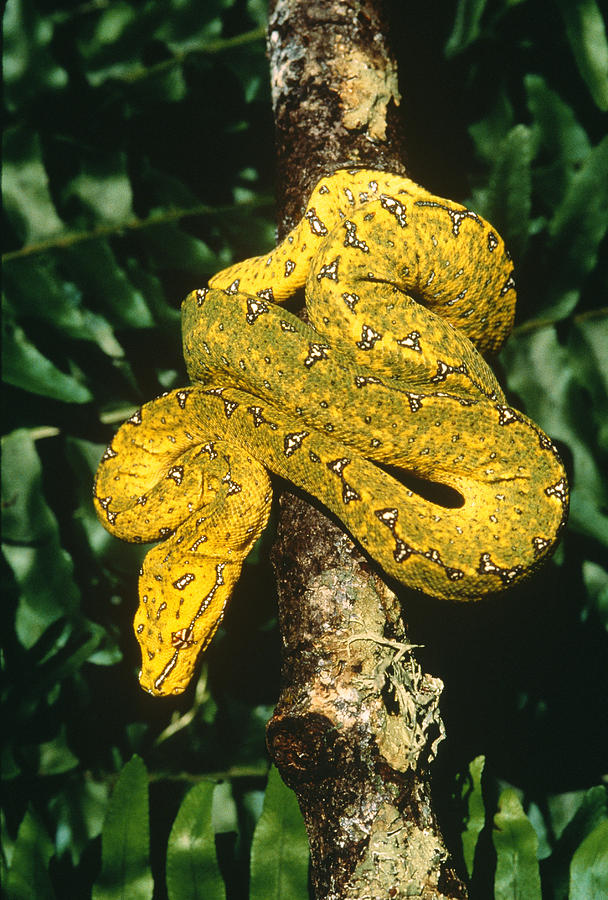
(182, 602)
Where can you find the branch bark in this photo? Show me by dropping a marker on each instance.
(357, 724)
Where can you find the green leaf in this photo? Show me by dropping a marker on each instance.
(108, 45)
(576, 231)
(245, 66)
(173, 248)
(112, 45)
(41, 567)
(258, 10)
(195, 28)
(29, 280)
(517, 875)
(79, 810)
(489, 133)
(586, 32)
(279, 850)
(544, 374)
(509, 194)
(101, 190)
(99, 275)
(84, 644)
(125, 839)
(595, 579)
(476, 814)
(55, 756)
(150, 286)
(591, 811)
(192, 868)
(466, 26)
(588, 340)
(589, 869)
(28, 876)
(28, 64)
(559, 131)
(25, 189)
(165, 85)
(24, 366)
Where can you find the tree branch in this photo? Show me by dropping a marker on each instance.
(357, 724)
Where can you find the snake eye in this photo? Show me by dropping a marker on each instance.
(181, 639)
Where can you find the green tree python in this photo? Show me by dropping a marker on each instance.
(380, 395)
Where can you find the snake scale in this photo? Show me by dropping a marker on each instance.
(380, 405)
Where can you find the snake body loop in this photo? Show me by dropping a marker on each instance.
(381, 407)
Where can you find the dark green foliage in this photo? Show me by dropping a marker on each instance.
(192, 869)
(125, 840)
(138, 159)
(279, 850)
(516, 847)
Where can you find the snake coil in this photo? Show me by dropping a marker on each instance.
(381, 406)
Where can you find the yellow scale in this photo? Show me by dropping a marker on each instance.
(381, 406)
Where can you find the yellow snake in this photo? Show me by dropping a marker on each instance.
(380, 406)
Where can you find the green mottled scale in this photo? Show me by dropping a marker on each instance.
(162, 478)
(362, 227)
(338, 395)
(398, 285)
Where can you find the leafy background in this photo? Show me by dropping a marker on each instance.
(138, 160)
